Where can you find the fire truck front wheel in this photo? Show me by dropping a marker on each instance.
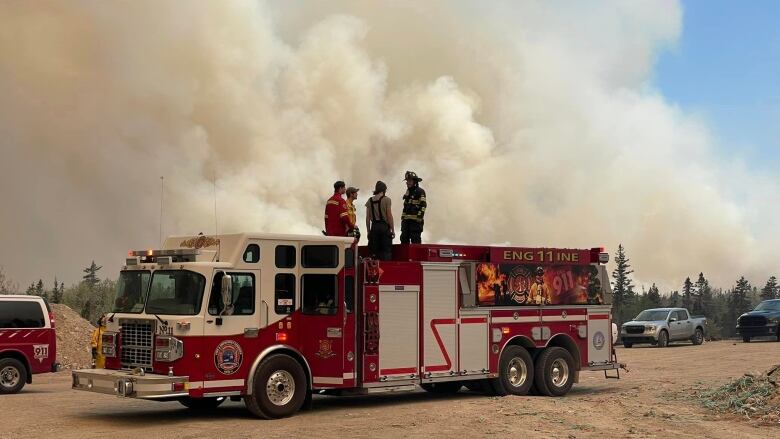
(554, 371)
(516, 372)
(280, 388)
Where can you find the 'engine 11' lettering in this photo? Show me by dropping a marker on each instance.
(541, 256)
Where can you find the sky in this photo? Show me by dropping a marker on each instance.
(725, 66)
(558, 123)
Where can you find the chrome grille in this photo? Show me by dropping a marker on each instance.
(136, 338)
(752, 321)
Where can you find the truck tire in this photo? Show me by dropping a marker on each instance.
(627, 344)
(280, 388)
(13, 376)
(202, 403)
(554, 372)
(516, 371)
(698, 337)
(444, 388)
(663, 339)
(745, 339)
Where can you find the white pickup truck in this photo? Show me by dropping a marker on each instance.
(660, 326)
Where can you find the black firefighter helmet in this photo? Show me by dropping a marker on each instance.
(411, 175)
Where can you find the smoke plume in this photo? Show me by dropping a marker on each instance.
(532, 123)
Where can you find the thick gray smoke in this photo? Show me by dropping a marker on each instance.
(532, 123)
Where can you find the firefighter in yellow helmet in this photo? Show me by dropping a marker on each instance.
(415, 203)
(98, 359)
(540, 292)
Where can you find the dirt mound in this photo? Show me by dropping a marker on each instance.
(756, 397)
(73, 338)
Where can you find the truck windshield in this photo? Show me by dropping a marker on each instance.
(131, 289)
(769, 305)
(175, 292)
(650, 315)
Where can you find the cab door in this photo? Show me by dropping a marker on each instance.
(230, 331)
(323, 312)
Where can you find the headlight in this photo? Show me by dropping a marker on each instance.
(650, 328)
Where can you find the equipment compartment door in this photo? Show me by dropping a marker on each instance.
(440, 310)
(398, 326)
(599, 336)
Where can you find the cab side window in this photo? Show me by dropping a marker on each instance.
(285, 256)
(243, 300)
(682, 315)
(320, 256)
(252, 254)
(21, 314)
(318, 294)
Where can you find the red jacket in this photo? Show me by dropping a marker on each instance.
(337, 220)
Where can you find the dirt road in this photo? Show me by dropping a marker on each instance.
(650, 401)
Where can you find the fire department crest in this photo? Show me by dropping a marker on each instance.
(598, 340)
(326, 349)
(228, 357)
(200, 241)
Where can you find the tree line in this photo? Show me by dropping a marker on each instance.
(91, 297)
(722, 307)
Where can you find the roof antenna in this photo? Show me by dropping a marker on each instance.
(162, 191)
(216, 225)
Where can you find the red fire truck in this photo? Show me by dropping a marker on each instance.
(273, 319)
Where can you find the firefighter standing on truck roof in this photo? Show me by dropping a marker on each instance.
(352, 194)
(379, 223)
(98, 359)
(337, 220)
(414, 210)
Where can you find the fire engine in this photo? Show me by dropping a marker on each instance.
(274, 319)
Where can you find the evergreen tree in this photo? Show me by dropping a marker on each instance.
(30, 290)
(770, 290)
(39, 290)
(622, 286)
(654, 297)
(687, 294)
(56, 294)
(91, 278)
(703, 297)
(674, 299)
(738, 303)
(6, 286)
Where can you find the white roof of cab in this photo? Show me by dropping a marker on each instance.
(20, 297)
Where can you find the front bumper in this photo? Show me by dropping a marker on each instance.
(129, 384)
(757, 331)
(625, 338)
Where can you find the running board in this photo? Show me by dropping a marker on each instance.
(390, 389)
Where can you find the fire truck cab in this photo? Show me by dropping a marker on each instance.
(273, 319)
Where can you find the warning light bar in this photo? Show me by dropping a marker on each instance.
(165, 256)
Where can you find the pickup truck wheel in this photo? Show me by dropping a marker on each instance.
(663, 339)
(698, 337)
(13, 375)
(554, 372)
(279, 388)
(745, 339)
(202, 403)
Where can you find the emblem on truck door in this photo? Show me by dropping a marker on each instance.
(598, 340)
(228, 357)
(40, 352)
(326, 349)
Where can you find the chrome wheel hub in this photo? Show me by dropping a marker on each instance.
(517, 372)
(9, 377)
(560, 372)
(280, 387)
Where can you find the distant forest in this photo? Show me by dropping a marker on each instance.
(93, 296)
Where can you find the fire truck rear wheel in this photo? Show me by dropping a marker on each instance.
(13, 375)
(202, 403)
(554, 371)
(516, 371)
(280, 388)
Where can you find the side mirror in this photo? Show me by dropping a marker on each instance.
(672, 319)
(227, 293)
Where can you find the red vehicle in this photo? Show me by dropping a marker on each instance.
(28, 344)
(274, 319)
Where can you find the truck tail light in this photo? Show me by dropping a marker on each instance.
(51, 319)
(108, 340)
(167, 348)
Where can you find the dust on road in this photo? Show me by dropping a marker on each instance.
(654, 400)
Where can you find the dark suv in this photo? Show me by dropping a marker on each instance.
(762, 321)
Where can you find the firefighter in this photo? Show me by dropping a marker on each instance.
(414, 210)
(540, 293)
(98, 359)
(352, 194)
(379, 223)
(337, 221)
